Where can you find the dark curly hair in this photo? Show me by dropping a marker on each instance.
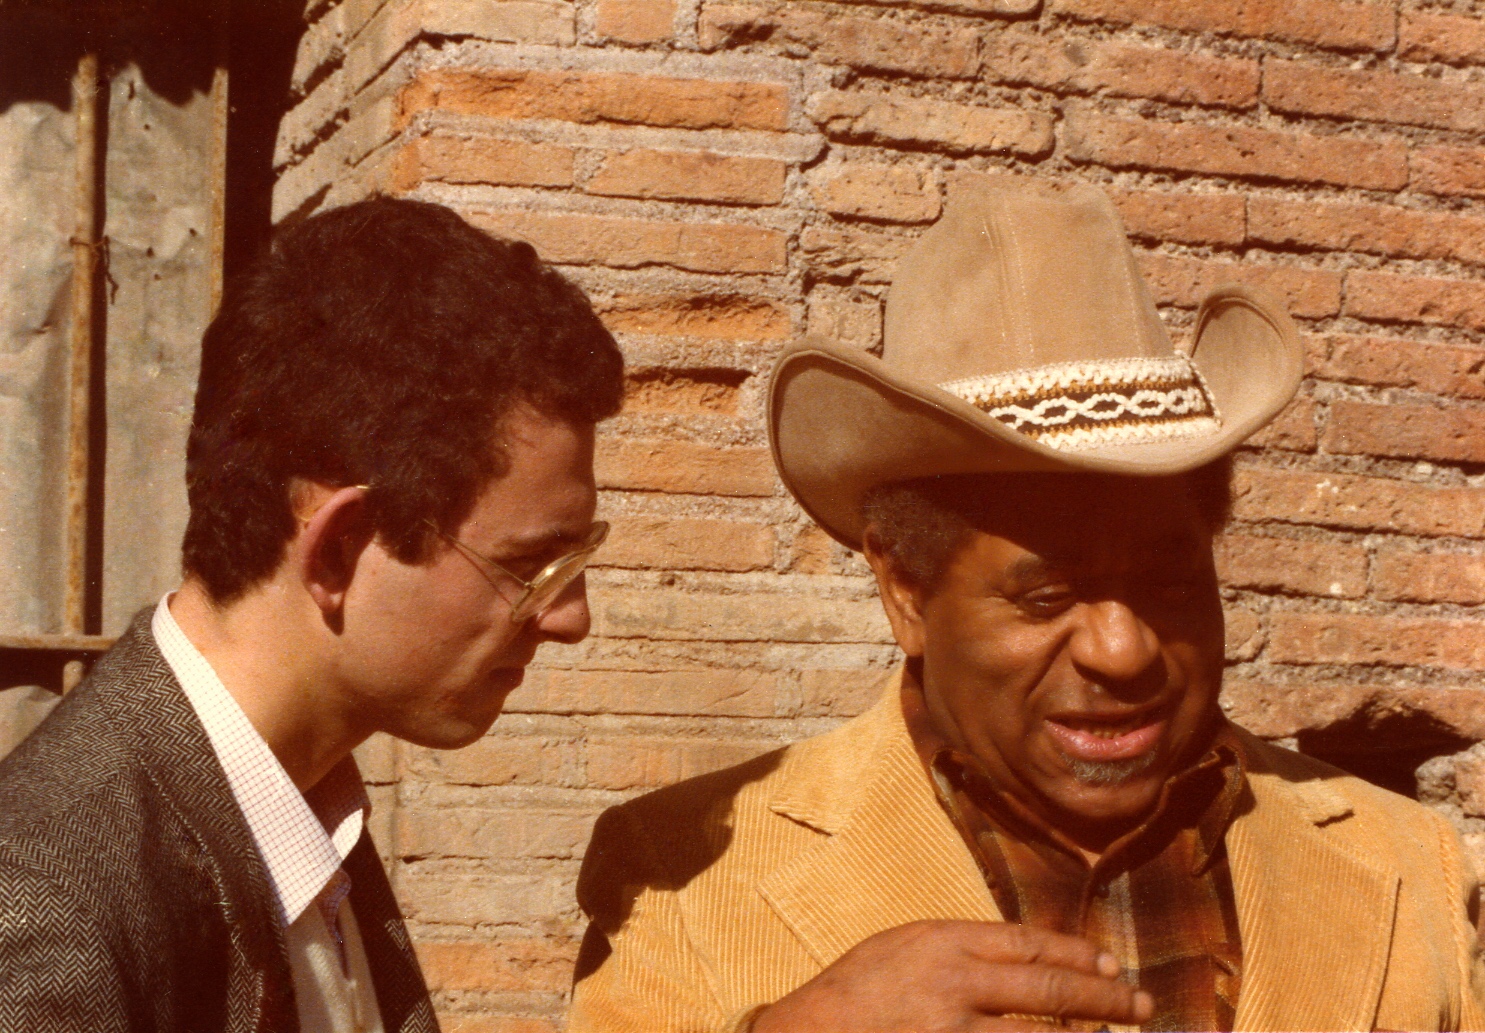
(380, 344)
(921, 523)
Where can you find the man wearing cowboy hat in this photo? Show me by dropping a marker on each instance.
(1046, 817)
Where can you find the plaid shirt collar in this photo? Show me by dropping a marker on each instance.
(304, 837)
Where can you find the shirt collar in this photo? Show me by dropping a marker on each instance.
(304, 838)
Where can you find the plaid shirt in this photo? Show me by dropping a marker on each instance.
(1159, 900)
(304, 838)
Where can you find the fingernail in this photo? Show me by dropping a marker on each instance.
(1108, 965)
(1144, 1005)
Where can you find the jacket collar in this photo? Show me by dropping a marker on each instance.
(890, 855)
(1315, 919)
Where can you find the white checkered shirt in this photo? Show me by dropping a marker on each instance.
(304, 838)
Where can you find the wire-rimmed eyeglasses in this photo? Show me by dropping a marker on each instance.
(543, 590)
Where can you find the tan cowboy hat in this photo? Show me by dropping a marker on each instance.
(1020, 337)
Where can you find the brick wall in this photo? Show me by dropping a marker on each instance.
(723, 175)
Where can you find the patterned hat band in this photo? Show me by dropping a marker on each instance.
(1075, 405)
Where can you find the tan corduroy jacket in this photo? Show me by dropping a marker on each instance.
(726, 891)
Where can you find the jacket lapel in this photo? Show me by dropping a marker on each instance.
(178, 757)
(890, 856)
(1316, 920)
(398, 980)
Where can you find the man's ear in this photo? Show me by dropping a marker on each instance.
(901, 598)
(330, 544)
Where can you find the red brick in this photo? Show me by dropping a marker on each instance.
(1233, 151)
(1298, 88)
(1183, 218)
(1121, 70)
(1357, 503)
(508, 964)
(683, 466)
(1278, 709)
(839, 693)
(485, 832)
(589, 97)
(1405, 431)
(1393, 362)
(1334, 638)
(1449, 170)
(894, 120)
(703, 247)
(1416, 299)
(1291, 567)
(1293, 430)
(1243, 634)
(722, 317)
(632, 762)
(1182, 281)
(691, 391)
(917, 47)
(636, 21)
(687, 544)
(690, 176)
(813, 552)
(851, 316)
(852, 254)
(498, 760)
(1420, 577)
(891, 193)
(1372, 228)
(672, 615)
(482, 159)
(720, 693)
(1451, 38)
(1326, 23)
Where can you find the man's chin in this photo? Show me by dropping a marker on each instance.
(1109, 773)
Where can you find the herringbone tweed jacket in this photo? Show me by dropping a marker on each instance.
(712, 896)
(132, 896)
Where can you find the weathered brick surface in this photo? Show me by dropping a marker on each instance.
(916, 47)
(1326, 23)
(1235, 150)
(1122, 70)
(957, 128)
(635, 21)
(1389, 297)
(1369, 228)
(1292, 566)
(1449, 170)
(723, 175)
(703, 247)
(1334, 638)
(1439, 369)
(893, 193)
(1406, 431)
(1421, 577)
(690, 176)
(600, 97)
(1300, 88)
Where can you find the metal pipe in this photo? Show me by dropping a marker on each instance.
(220, 109)
(84, 272)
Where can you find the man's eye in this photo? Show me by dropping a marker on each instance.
(1048, 602)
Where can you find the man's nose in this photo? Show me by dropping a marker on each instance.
(567, 619)
(1113, 641)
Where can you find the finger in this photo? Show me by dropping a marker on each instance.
(1008, 943)
(1054, 991)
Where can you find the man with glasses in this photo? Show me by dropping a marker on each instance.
(390, 474)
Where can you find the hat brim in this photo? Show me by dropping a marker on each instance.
(842, 422)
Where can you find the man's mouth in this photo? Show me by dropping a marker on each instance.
(1107, 737)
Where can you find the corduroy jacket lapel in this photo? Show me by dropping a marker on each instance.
(1316, 920)
(890, 856)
